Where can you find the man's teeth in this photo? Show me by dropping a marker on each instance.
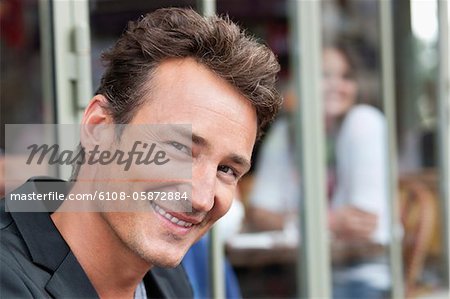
(173, 219)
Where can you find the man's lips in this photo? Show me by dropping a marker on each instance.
(176, 218)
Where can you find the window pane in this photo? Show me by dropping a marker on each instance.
(357, 160)
(264, 254)
(416, 53)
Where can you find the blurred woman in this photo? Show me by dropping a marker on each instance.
(357, 159)
(357, 168)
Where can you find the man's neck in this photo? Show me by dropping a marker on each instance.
(113, 269)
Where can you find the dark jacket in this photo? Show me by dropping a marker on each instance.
(36, 262)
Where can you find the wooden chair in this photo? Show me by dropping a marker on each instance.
(418, 208)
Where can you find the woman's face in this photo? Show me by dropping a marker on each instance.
(339, 86)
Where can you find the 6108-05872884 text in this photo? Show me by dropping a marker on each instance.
(103, 195)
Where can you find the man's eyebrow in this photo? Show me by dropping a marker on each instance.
(241, 161)
(198, 140)
(182, 130)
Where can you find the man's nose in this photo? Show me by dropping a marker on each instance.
(203, 187)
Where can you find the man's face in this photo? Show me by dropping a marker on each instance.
(224, 127)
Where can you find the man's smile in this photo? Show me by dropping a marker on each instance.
(170, 217)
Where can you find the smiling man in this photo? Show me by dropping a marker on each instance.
(173, 66)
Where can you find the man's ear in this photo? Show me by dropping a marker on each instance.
(95, 112)
(96, 124)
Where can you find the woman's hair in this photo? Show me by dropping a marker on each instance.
(343, 46)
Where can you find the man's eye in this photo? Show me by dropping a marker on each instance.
(227, 170)
(181, 147)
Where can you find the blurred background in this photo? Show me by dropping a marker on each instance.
(375, 137)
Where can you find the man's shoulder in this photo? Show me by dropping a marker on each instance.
(25, 251)
(5, 217)
(19, 276)
(11, 241)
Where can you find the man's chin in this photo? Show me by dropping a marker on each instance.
(165, 258)
(166, 262)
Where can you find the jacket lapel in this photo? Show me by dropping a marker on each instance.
(171, 282)
(156, 279)
(49, 250)
(70, 281)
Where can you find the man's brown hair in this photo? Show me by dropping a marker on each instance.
(215, 42)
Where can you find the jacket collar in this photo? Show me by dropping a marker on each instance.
(49, 250)
(46, 245)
